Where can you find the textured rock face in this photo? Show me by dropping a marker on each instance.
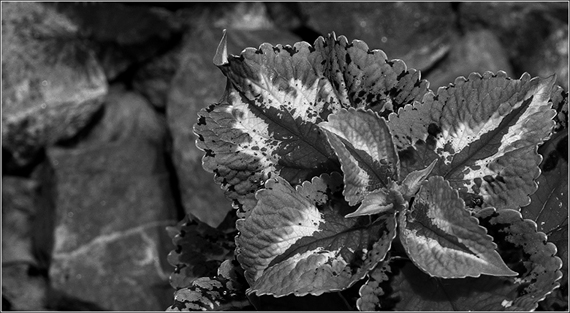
(113, 202)
(122, 36)
(18, 214)
(51, 85)
(476, 51)
(534, 35)
(24, 291)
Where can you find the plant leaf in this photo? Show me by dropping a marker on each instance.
(414, 290)
(519, 244)
(371, 291)
(224, 291)
(442, 238)
(363, 143)
(549, 205)
(560, 104)
(395, 198)
(367, 79)
(527, 251)
(200, 249)
(265, 124)
(317, 190)
(287, 245)
(486, 130)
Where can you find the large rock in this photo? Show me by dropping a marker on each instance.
(123, 36)
(535, 35)
(197, 84)
(114, 200)
(417, 33)
(22, 290)
(18, 214)
(476, 51)
(154, 78)
(51, 85)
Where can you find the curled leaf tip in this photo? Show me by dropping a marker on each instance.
(414, 180)
(221, 56)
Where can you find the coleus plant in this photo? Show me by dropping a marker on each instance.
(347, 171)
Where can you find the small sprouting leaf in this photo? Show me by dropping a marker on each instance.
(371, 290)
(363, 143)
(412, 183)
(224, 291)
(288, 245)
(378, 201)
(395, 198)
(485, 129)
(200, 249)
(442, 238)
(221, 56)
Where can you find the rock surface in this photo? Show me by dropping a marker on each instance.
(18, 214)
(51, 86)
(535, 35)
(122, 35)
(476, 51)
(113, 202)
(24, 291)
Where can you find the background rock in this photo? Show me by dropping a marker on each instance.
(153, 80)
(476, 51)
(22, 290)
(535, 35)
(123, 36)
(113, 202)
(18, 214)
(51, 84)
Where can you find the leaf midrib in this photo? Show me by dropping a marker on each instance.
(505, 122)
(289, 253)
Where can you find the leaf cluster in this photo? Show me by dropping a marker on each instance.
(347, 172)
